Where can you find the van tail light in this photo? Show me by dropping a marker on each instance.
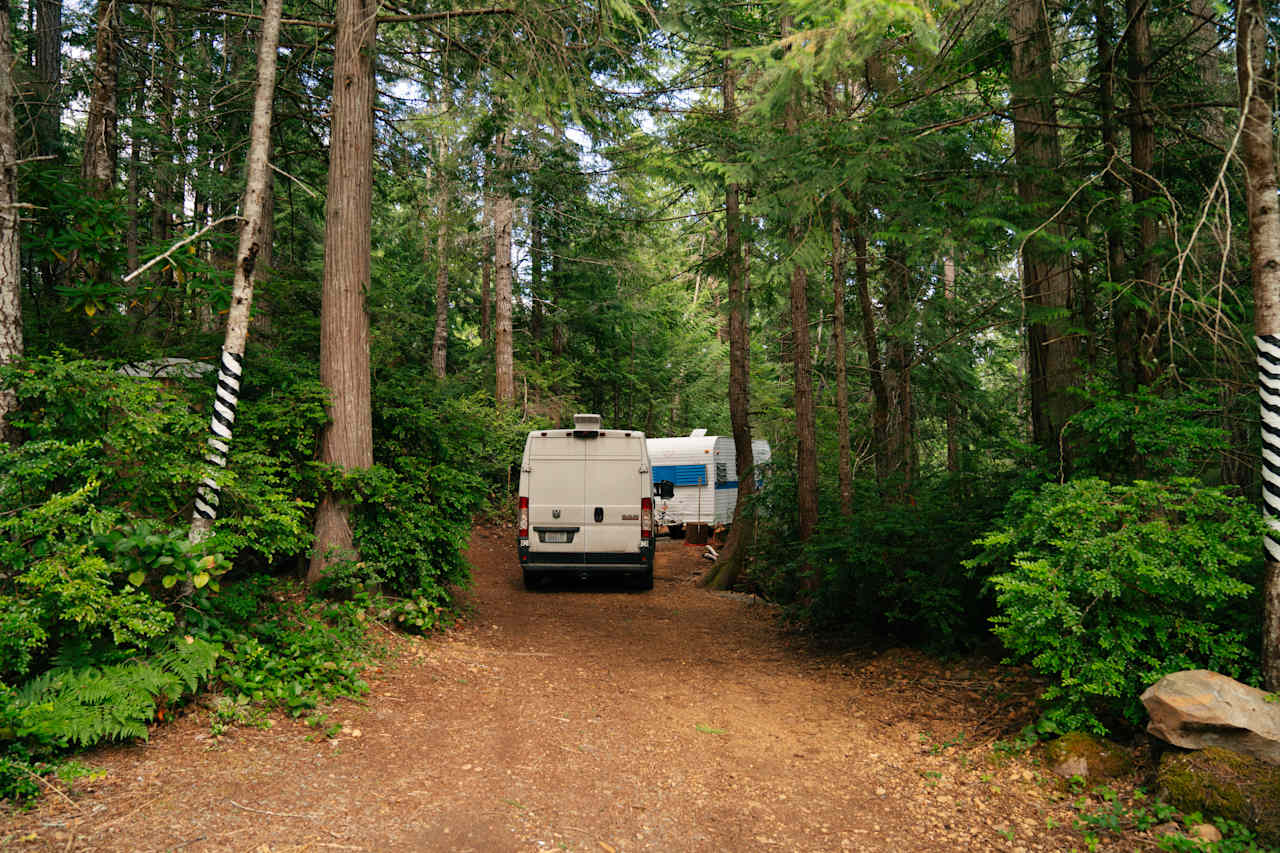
(646, 518)
(523, 523)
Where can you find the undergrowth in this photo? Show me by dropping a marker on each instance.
(1106, 816)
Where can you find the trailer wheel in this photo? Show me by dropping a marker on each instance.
(675, 531)
(532, 579)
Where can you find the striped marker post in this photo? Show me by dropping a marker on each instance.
(226, 399)
(1269, 392)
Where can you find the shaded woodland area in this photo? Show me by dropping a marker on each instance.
(995, 279)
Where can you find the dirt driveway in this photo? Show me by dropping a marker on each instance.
(589, 718)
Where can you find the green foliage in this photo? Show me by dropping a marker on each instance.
(414, 523)
(285, 649)
(160, 561)
(887, 569)
(1150, 433)
(1104, 814)
(1108, 587)
(83, 706)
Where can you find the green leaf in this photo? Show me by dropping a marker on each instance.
(200, 580)
(169, 581)
(136, 578)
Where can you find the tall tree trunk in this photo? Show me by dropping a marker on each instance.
(953, 415)
(1257, 95)
(842, 368)
(801, 354)
(1142, 146)
(1125, 338)
(486, 272)
(10, 254)
(98, 168)
(733, 557)
(535, 275)
(165, 194)
(347, 443)
(440, 340)
(1046, 275)
(48, 77)
(503, 210)
(899, 350)
(875, 365)
(253, 231)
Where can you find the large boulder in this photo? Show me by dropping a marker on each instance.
(1221, 783)
(1196, 709)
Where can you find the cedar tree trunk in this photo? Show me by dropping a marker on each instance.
(347, 443)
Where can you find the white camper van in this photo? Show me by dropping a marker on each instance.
(586, 503)
(704, 470)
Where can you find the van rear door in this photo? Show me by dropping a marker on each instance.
(614, 486)
(557, 502)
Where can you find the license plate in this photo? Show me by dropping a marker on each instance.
(555, 536)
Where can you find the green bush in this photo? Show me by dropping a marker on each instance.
(1106, 588)
(886, 569)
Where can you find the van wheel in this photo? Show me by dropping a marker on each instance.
(644, 580)
(532, 580)
(675, 531)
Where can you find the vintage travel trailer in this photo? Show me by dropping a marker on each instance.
(704, 471)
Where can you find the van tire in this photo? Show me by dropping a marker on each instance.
(532, 579)
(644, 580)
(675, 531)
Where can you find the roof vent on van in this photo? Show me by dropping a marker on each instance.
(586, 426)
(698, 433)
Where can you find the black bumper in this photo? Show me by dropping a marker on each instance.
(561, 561)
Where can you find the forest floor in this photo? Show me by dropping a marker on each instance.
(591, 718)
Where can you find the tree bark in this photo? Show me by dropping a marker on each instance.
(98, 168)
(733, 557)
(253, 232)
(875, 365)
(1124, 337)
(10, 254)
(347, 443)
(486, 273)
(801, 354)
(1142, 147)
(503, 208)
(1046, 275)
(953, 414)
(1257, 94)
(842, 368)
(48, 77)
(440, 340)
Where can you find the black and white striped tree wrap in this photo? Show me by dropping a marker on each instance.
(1269, 392)
(226, 399)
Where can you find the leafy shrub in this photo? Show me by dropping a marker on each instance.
(414, 523)
(284, 649)
(1152, 433)
(892, 569)
(1108, 587)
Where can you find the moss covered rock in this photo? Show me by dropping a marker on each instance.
(1220, 783)
(1089, 757)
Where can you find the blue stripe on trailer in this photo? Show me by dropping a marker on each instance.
(731, 484)
(681, 475)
